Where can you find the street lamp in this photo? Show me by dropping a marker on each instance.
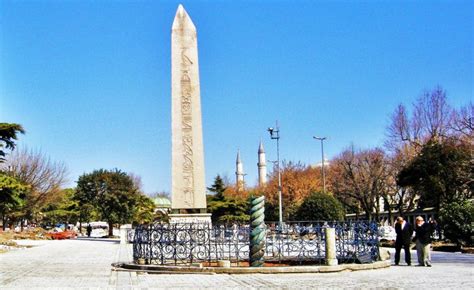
(275, 134)
(322, 160)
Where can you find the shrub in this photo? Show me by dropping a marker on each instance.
(456, 220)
(320, 206)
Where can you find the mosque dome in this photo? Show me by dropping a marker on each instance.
(162, 202)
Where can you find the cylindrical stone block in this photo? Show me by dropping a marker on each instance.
(331, 258)
(223, 263)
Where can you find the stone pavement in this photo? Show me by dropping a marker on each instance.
(86, 264)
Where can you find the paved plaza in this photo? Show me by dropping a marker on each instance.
(86, 263)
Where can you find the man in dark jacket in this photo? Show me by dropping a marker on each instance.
(89, 230)
(423, 240)
(404, 232)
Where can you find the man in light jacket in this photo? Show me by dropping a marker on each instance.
(423, 240)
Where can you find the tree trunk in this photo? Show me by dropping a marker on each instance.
(4, 221)
(111, 229)
(389, 218)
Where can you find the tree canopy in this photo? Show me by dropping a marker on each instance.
(456, 220)
(44, 176)
(443, 172)
(111, 192)
(226, 209)
(298, 181)
(12, 193)
(320, 206)
(8, 135)
(359, 179)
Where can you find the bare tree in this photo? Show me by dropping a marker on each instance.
(360, 179)
(431, 119)
(44, 176)
(463, 122)
(433, 113)
(159, 194)
(137, 181)
(399, 131)
(401, 199)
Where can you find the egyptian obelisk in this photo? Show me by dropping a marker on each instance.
(188, 190)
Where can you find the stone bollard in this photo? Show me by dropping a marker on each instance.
(331, 259)
(223, 263)
(123, 233)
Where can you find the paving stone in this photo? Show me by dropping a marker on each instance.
(86, 264)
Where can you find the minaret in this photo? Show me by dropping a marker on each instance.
(262, 166)
(239, 173)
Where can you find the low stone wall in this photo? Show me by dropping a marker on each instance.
(197, 269)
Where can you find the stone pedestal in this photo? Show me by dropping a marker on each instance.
(331, 258)
(223, 263)
(190, 218)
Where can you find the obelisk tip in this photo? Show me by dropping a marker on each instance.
(182, 20)
(180, 10)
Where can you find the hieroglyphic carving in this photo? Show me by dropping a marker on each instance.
(186, 126)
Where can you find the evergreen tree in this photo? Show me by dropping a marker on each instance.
(8, 135)
(218, 188)
(12, 196)
(225, 209)
(442, 173)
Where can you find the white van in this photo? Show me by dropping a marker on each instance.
(99, 229)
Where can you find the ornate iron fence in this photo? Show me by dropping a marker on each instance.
(294, 242)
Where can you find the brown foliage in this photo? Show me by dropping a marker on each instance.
(359, 179)
(298, 182)
(233, 192)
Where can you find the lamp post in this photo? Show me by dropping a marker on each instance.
(275, 134)
(322, 160)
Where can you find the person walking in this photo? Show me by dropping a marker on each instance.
(89, 230)
(423, 240)
(404, 232)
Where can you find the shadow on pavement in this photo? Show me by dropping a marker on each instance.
(108, 240)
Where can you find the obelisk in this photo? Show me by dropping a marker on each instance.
(188, 191)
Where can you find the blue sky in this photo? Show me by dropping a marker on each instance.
(90, 80)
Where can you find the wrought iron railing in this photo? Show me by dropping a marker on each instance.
(294, 242)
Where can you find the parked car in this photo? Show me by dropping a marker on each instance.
(58, 234)
(99, 229)
(387, 233)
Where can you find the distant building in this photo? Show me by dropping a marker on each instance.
(162, 205)
(327, 163)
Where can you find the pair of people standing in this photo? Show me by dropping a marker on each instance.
(422, 238)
